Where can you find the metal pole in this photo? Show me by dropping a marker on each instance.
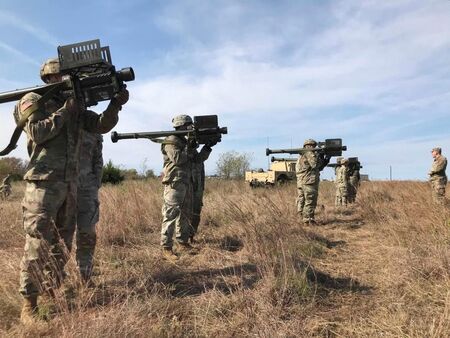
(390, 173)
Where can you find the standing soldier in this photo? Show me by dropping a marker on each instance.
(309, 166)
(89, 182)
(438, 178)
(177, 208)
(354, 178)
(342, 183)
(198, 179)
(49, 205)
(5, 188)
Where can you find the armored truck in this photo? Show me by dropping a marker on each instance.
(282, 170)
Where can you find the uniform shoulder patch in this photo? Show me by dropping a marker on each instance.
(25, 104)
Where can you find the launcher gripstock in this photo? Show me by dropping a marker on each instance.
(282, 159)
(88, 76)
(205, 130)
(330, 147)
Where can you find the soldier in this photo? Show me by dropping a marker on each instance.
(5, 188)
(198, 179)
(438, 178)
(354, 178)
(177, 180)
(342, 183)
(49, 205)
(309, 166)
(89, 182)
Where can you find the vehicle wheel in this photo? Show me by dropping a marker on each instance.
(281, 180)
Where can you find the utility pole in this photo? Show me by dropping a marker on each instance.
(390, 173)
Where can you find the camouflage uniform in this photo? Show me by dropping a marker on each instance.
(438, 178)
(5, 188)
(308, 168)
(177, 181)
(89, 182)
(342, 185)
(198, 178)
(354, 178)
(49, 204)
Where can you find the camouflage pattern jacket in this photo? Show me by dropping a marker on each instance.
(308, 168)
(177, 160)
(91, 160)
(198, 167)
(341, 180)
(438, 167)
(53, 137)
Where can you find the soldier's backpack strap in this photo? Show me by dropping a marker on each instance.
(25, 116)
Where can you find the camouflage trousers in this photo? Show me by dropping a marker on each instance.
(307, 200)
(438, 189)
(177, 213)
(197, 206)
(352, 190)
(86, 238)
(48, 218)
(342, 193)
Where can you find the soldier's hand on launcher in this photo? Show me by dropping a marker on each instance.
(211, 144)
(121, 97)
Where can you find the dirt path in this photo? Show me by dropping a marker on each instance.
(353, 273)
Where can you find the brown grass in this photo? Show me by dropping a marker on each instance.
(381, 268)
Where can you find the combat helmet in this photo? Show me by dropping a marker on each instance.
(181, 120)
(49, 67)
(310, 142)
(339, 159)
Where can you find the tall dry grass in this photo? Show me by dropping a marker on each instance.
(379, 268)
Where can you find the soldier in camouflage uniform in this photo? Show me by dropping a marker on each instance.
(438, 178)
(5, 188)
(309, 166)
(49, 205)
(177, 180)
(342, 183)
(354, 177)
(198, 179)
(89, 182)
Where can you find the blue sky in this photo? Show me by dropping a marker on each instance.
(375, 73)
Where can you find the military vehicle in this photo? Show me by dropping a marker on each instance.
(282, 170)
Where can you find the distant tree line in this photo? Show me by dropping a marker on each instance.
(114, 174)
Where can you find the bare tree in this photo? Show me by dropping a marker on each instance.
(233, 164)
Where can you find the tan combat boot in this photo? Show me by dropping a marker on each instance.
(29, 312)
(169, 255)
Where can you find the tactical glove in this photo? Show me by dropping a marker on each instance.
(121, 97)
(211, 143)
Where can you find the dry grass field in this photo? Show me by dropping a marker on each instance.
(379, 269)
